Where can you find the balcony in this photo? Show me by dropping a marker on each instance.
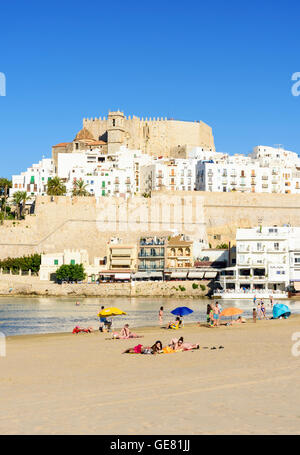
(265, 177)
(151, 254)
(232, 183)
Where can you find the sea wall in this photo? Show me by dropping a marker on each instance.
(88, 223)
(17, 286)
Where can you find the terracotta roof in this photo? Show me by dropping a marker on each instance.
(62, 144)
(84, 134)
(97, 143)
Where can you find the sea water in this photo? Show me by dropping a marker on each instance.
(33, 315)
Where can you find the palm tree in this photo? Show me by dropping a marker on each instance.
(19, 200)
(79, 188)
(5, 184)
(56, 187)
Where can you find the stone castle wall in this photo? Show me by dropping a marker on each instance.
(156, 137)
(89, 223)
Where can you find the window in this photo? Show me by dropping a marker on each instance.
(32, 179)
(103, 184)
(297, 260)
(103, 192)
(276, 246)
(55, 261)
(114, 122)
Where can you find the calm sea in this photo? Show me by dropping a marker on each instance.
(24, 315)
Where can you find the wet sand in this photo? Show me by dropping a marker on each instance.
(82, 384)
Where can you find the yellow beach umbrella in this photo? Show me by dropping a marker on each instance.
(111, 311)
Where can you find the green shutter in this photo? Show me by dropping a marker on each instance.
(72, 261)
(103, 184)
(103, 192)
(32, 179)
(55, 261)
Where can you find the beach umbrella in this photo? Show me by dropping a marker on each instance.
(182, 311)
(231, 312)
(279, 309)
(111, 311)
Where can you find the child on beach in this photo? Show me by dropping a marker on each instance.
(254, 314)
(258, 311)
(160, 314)
(263, 309)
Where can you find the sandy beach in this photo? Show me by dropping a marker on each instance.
(82, 384)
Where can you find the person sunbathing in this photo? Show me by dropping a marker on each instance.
(125, 333)
(239, 320)
(78, 329)
(181, 345)
(140, 349)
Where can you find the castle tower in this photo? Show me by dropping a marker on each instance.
(115, 131)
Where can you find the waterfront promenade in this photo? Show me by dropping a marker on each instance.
(82, 384)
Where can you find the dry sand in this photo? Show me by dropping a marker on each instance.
(81, 384)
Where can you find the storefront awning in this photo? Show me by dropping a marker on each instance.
(156, 275)
(197, 275)
(178, 274)
(122, 276)
(210, 274)
(141, 275)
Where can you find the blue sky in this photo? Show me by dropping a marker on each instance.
(228, 63)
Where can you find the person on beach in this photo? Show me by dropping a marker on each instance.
(263, 309)
(254, 314)
(160, 315)
(208, 310)
(140, 349)
(125, 333)
(258, 311)
(254, 300)
(181, 345)
(104, 322)
(174, 325)
(271, 301)
(216, 312)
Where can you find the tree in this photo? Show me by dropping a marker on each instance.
(72, 272)
(56, 187)
(19, 199)
(5, 184)
(79, 188)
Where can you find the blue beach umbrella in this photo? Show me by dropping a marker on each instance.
(182, 311)
(279, 309)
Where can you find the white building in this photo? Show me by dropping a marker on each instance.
(171, 174)
(267, 262)
(249, 174)
(34, 180)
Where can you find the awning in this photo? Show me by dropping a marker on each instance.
(297, 285)
(141, 275)
(178, 274)
(210, 274)
(122, 276)
(197, 275)
(156, 275)
(120, 262)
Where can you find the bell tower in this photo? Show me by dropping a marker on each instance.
(115, 131)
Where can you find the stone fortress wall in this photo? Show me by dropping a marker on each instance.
(155, 136)
(89, 223)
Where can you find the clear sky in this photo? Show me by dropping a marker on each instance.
(228, 63)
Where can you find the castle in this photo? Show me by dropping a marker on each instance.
(154, 136)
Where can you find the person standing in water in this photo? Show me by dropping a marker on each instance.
(160, 315)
